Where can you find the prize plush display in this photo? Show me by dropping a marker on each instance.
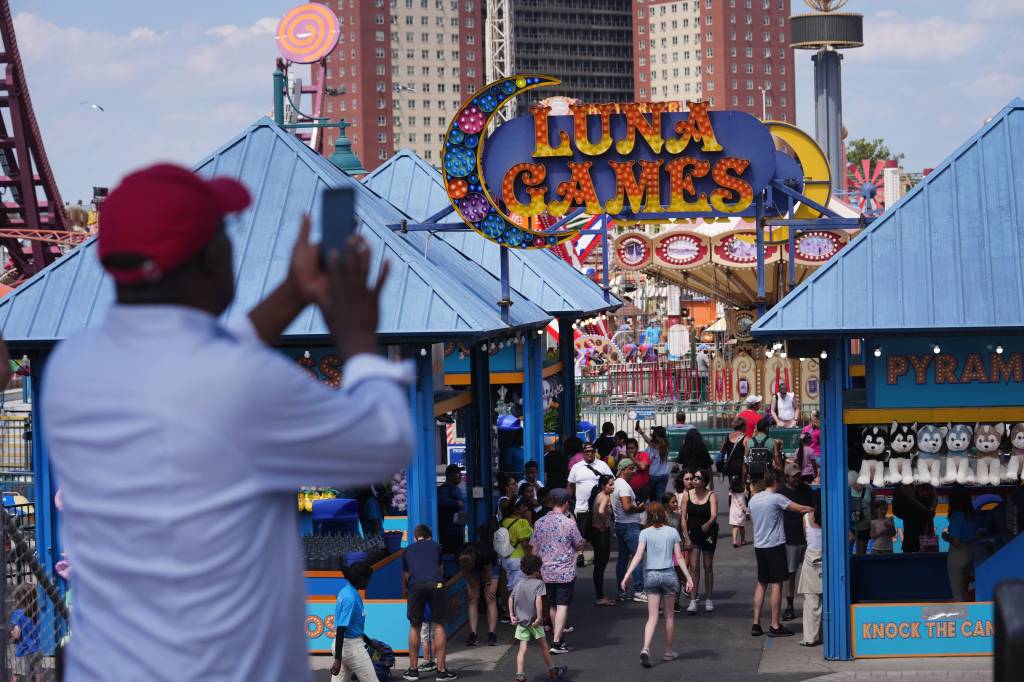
(874, 441)
(1013, 467)
(902, 444)
(929, 459)
(987, 439)
(958, 445)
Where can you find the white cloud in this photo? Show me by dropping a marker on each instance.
(176, 94)
(929, 39)
(994, 9)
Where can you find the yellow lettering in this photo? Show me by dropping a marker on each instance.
(533, 174)
(627, 187)
(681, 184)
(579, 117)
(697, 127)
(731, 186)
(636, 122)
(542, 138)
(920, 363)
(578, 190)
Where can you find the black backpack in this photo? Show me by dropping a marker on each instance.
(759, 458)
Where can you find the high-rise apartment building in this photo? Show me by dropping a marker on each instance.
(734, 54)
(587, 44)
(402, 68)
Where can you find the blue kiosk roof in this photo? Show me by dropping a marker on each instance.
(421, 301)
(948, 257)
(416, 188)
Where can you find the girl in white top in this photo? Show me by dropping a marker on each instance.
(810, 576)
(784, 407)
(659, 544)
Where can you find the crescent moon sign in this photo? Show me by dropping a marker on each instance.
(463, 175)
(817, 177)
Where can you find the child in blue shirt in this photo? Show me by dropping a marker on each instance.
(350, 656)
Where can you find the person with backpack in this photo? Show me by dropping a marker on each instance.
(751, 415)
(350, 655)
(785, 407)
(512, 540)
(693, 454)
(582, 478)
(734, 453)
(765, 452)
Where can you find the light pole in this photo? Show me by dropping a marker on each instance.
(764, 105)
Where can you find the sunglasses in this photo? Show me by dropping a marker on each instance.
(698, 478)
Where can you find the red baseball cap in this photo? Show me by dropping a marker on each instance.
(164, 214)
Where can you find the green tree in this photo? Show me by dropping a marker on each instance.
(875, 150)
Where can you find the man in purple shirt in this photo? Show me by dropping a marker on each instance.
(556, 539)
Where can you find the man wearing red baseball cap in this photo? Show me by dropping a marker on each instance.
(179, 442)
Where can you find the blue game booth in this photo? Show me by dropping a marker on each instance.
(435, 299)
(933, 292)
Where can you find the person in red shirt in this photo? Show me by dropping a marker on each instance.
(642, 477)
(752, 414)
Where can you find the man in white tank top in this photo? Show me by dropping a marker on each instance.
(784, 407)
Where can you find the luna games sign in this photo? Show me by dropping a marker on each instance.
(649, 159)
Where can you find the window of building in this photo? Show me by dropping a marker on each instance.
(710, 52)
(708, 37)
(749, 68)
(782, 55)
(782, 22)
(750, 101)
(734, 84)
(675, 88)
(732, 35)
(750, 84)
(782, 69)
(640, 29)
(675, 40)
(380, 70)
(394, 53)
(749, 52)
(711, 68)
(686, 87)
(768, 100)
(768, 69)
(410, 71)
(766, 36)
(782, 101)
(747, 3)
(425, 87)
(711, 101)
(378, 19)
(408, 21)
(643, 76)
(643, 61)
(747, 19)
(471, 73)
(711, 85)
(330, 107)
(734, 101)
(643, 92)
(766, 20)
(424, 37)
(470, 39)
(748, 36)
(782, 37)
(675, 73)
(732, 52)
(381, 87)
(379, 36)
(382, 120)
(732, 68)
(686, 71)
(707, 4)
(707, 19)
(767, 53)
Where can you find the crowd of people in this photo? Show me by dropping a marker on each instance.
(663, 512)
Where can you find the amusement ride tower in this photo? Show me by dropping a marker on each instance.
(827, 31)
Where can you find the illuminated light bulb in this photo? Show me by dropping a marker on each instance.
(305, 354)
(878, 352)
(936, 349)
(540, 332)
(824, 354)
(769, 353)
(423, 352)
(783, 355)
(999, 350)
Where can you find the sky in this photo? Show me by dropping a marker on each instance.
(178, 79)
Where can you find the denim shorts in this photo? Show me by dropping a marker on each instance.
(661, 581)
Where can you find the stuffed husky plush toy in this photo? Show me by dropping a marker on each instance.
(929, 459)
(902, 444)
(987, 439)
(958, 445)
(874, 441)
(1013, 467)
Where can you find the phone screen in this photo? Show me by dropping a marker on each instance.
(337, 221)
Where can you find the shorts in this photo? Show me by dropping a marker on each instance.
(771, 564)
(421, 595)
(705, 542)
(560, 594)
(661, 581)
(527, 633)
(863, 534)
(794, 557)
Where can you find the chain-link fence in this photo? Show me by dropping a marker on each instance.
(34, 613)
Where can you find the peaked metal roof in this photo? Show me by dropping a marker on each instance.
(421, 301)
(948, 257)
(416, 188)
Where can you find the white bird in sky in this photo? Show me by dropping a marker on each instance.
(93, 105)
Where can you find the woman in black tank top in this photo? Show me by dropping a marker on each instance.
(701, 524)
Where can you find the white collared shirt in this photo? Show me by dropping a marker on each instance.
(179, 447)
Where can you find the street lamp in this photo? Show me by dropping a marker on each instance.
(343, 157)
(764, 105)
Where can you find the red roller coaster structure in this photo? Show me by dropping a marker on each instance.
(33, 224)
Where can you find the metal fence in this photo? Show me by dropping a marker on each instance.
(35, 616)
(15, 443)
(647, 383)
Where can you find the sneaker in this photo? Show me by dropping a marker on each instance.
(472, 639)
(709, 605)
(789, 614)
(445, 675)
(755, 630)
(645, 658)
(568, 629)
(678, 608)
(520, 677)
(492, 639)
(428, 667)
(669, 656)
(641, 597)
(505, 620)
(692, 608)
(624, 596)
(580, 561)
(557, 672)
(411, 674)
(558, 648)
(781, 631)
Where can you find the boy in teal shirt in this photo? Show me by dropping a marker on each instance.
(350, 656)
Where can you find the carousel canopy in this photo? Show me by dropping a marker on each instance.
(948, 257)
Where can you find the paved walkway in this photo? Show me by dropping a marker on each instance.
(716, 646)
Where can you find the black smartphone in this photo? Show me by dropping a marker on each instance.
(637, 427)
(337, 221)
